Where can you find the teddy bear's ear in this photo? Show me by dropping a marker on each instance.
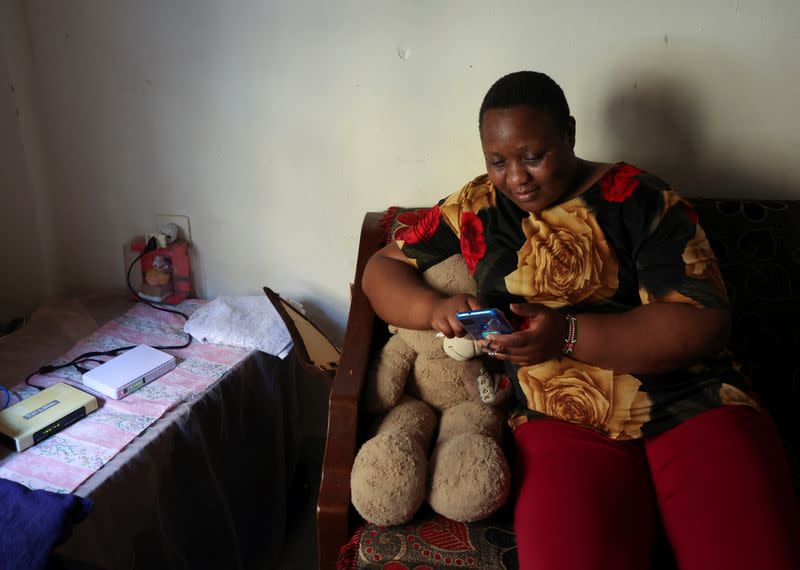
(312, 345)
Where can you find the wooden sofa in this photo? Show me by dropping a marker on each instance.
(334, 516)
(758, 246)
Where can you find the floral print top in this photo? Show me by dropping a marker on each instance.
(630, 239)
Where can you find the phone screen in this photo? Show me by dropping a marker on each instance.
(479, 324)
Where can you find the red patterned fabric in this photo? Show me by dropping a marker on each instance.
(422, 228)
(348, 554)
(431, 542)
(396, 221)
(387, 221)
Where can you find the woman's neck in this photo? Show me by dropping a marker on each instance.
(587, 174)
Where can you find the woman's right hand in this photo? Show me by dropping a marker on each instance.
(443, 314)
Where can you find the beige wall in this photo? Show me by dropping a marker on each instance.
(26, 260)
(276, 125)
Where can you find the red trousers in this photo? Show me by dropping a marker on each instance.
(719, 483)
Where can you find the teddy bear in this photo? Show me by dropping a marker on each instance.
(421, 383)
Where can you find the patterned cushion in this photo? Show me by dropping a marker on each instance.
(432, 541)
(397, 219)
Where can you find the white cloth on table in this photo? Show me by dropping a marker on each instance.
(247, 322)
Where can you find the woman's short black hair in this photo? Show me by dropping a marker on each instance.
(526, 88)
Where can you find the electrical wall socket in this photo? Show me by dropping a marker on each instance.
(181, 221)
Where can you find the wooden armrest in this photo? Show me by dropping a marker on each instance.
(333, 505)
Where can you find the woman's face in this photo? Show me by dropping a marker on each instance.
(529, 157)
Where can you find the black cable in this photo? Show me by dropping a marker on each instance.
(28, 380)
(87, 356)
(83, 369)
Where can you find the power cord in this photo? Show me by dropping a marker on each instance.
(8, 396)
(88, 356)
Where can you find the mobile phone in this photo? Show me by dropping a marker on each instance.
(484, 322)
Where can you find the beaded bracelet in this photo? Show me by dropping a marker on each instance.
(572, 335)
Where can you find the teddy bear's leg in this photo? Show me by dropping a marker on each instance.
(390, 471)
(469, 476)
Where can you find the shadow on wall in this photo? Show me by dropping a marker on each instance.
(658, 122)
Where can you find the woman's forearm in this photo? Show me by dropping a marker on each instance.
(397, 292)
(654, 338)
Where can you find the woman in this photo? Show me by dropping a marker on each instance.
(629, 408)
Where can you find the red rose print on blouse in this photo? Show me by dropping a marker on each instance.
(422, 230)
(473, 248)
(619, 184)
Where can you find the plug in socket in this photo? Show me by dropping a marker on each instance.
(181, 221)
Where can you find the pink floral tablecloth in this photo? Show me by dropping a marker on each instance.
(62, 462)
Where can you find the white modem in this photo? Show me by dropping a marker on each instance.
(129, 371)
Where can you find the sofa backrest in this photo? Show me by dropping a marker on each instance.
(757, 244)
(758, 248)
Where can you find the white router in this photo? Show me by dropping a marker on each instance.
(129, 371)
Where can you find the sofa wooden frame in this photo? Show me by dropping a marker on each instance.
(334, 515)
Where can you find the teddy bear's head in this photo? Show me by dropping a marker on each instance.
(450, 277)
(415, 361)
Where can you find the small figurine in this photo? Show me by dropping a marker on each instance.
(158, 280)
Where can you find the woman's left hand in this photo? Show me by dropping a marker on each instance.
(541, 340)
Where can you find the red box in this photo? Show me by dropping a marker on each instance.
(177, 253)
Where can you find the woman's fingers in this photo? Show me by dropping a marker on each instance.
(520, 347)
(501, 342)
(457, 327)
(444, 314)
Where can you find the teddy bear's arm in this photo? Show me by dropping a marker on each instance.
(387, 375)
